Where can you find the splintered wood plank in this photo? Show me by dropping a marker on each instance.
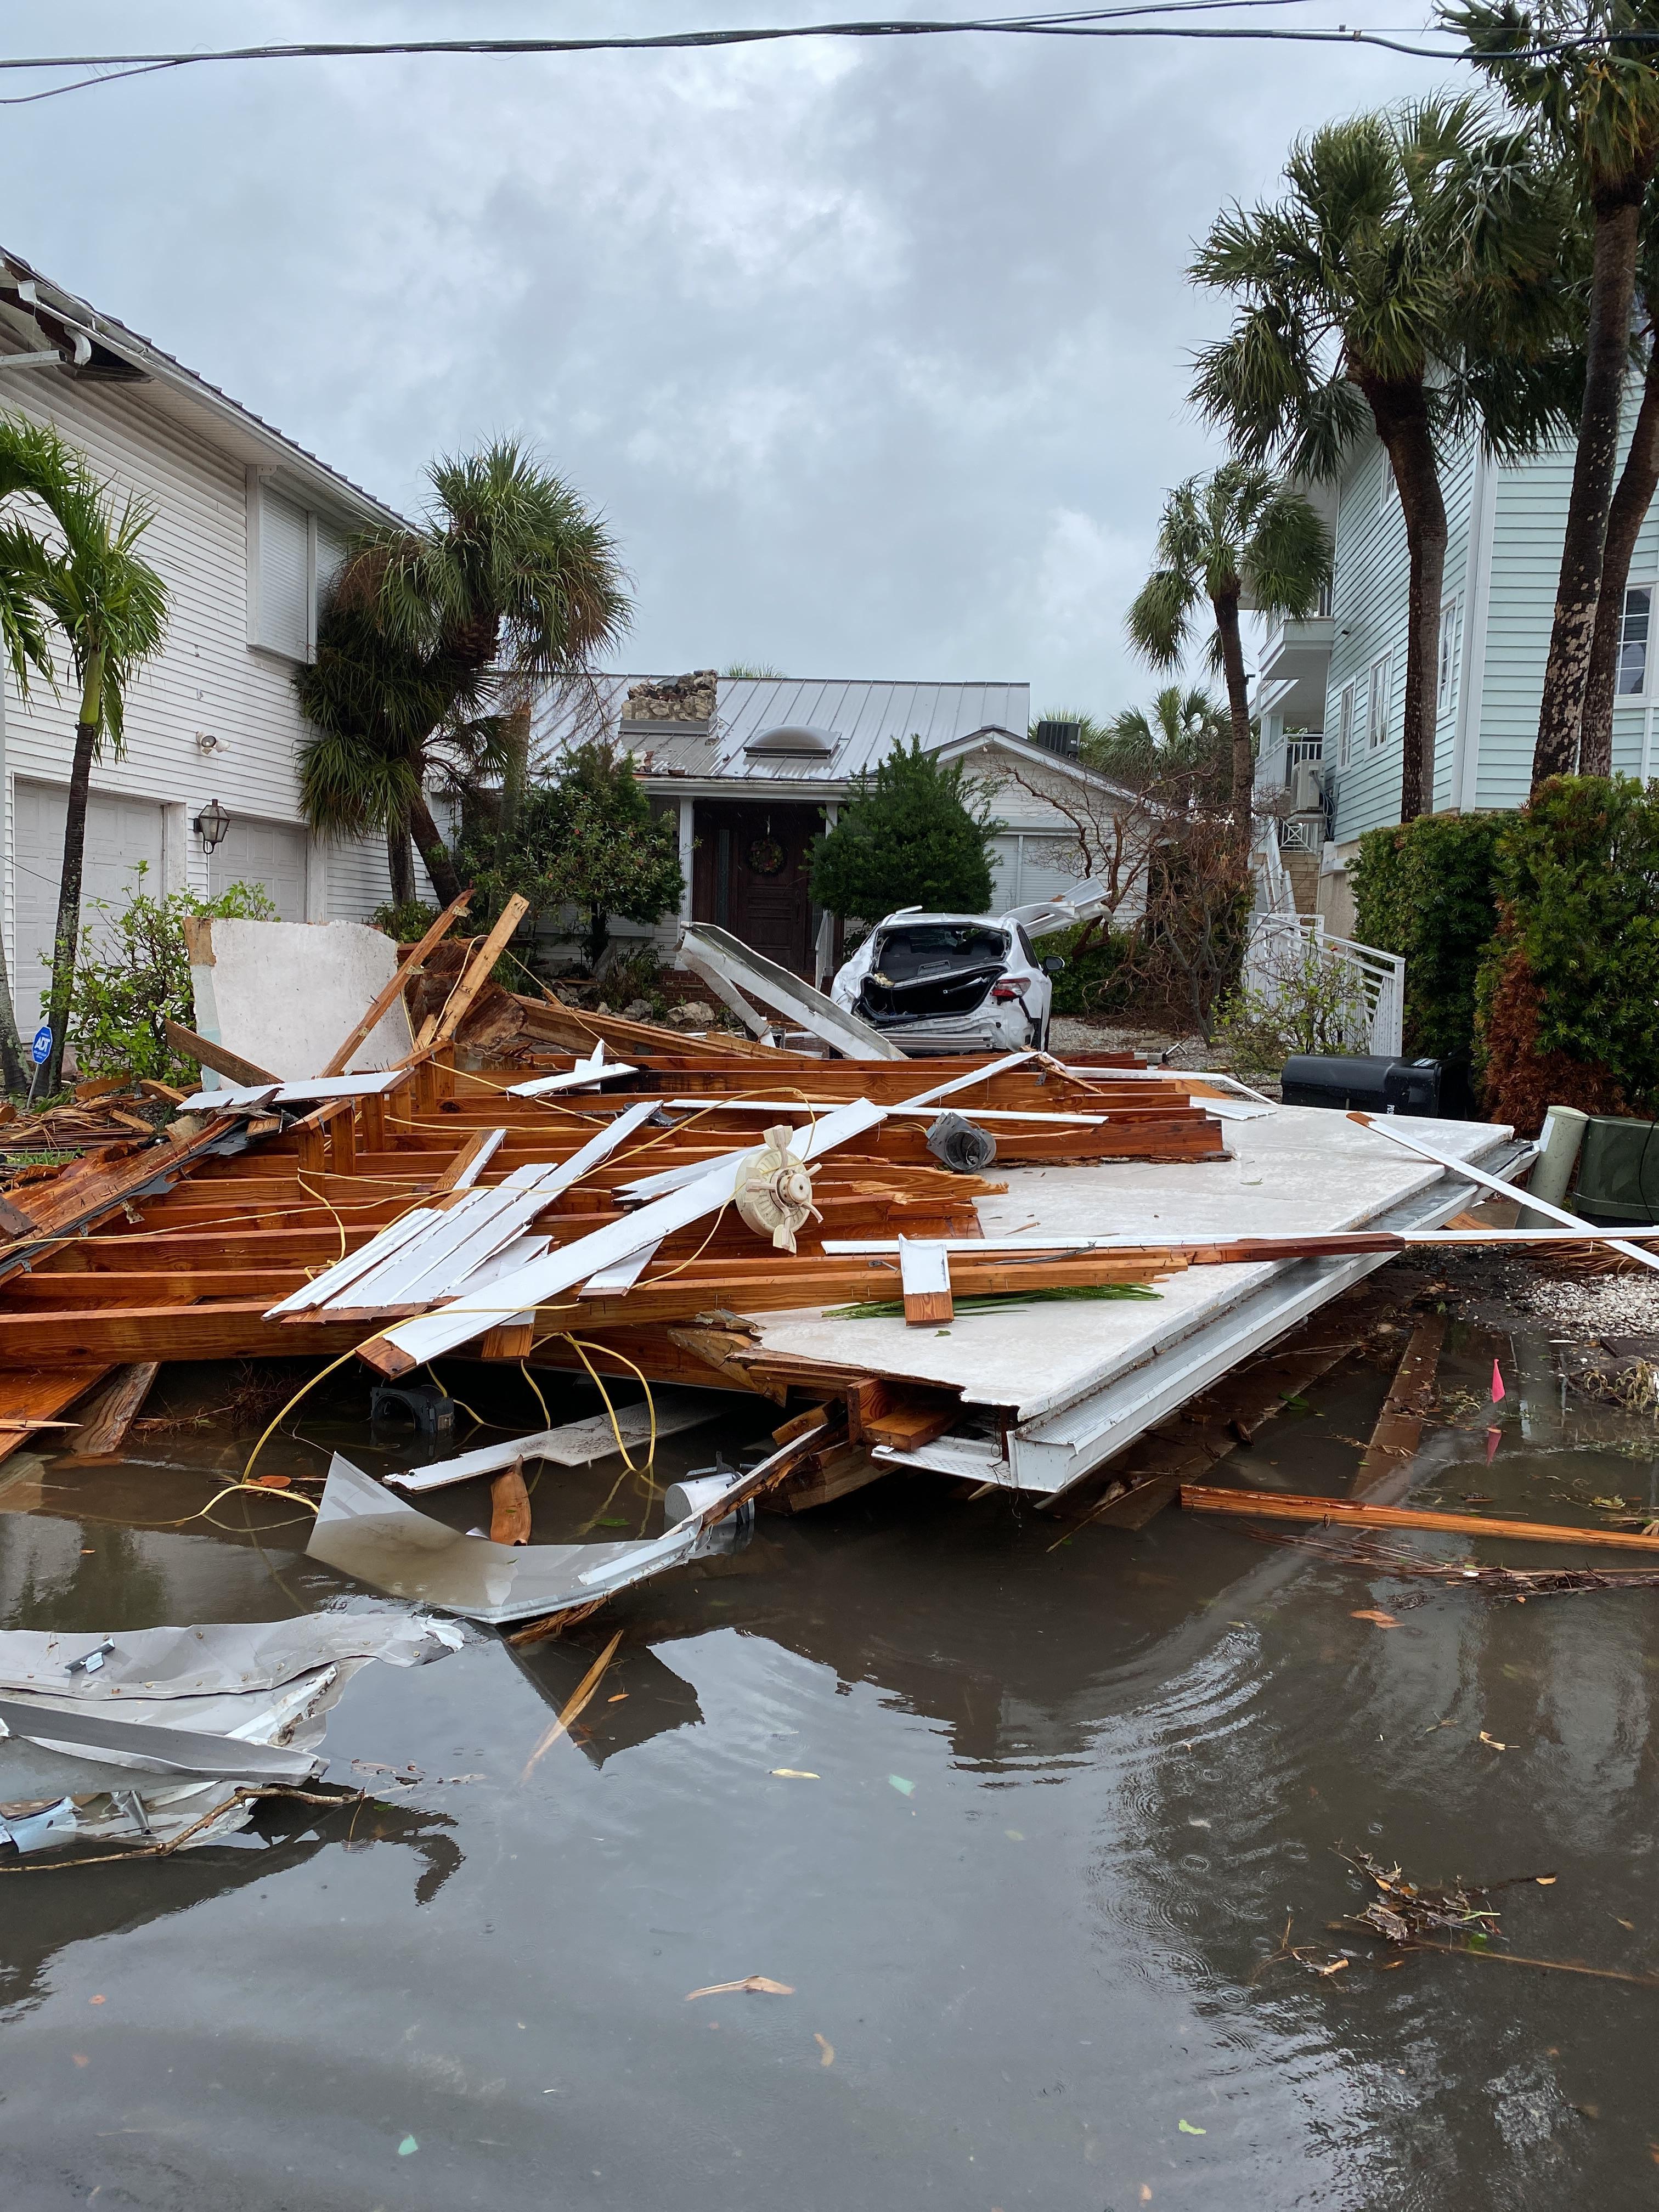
(29, 1394)
(206, 1054)
(925, 1274)
(1346, 1513)
(509, 1507)
(386, 999)
(826, 1477)
(112, 1414)
(477, 972)
(1399, 1431)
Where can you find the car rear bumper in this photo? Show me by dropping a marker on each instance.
(1002, 1028)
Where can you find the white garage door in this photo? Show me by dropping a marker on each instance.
(121, 833)
(268, 853)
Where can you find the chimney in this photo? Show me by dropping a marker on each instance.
(684, 703)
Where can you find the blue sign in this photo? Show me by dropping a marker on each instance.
(40, 1050)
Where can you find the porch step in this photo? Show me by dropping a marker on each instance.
(1302, 869)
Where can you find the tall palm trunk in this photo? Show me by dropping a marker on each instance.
(1225, 605)
(67, 941)
(1401, 416)
(1638, 481)
(1613, 289)
(400, 863)
(433, 851)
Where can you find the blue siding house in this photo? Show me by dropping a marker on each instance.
(1330, 691)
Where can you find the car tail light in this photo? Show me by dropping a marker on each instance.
(1002, 992)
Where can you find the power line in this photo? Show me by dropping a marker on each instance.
(1120, 22)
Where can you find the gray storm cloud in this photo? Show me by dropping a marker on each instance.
(875, 355)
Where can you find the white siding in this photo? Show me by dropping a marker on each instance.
(1370, 599)
(208, 682)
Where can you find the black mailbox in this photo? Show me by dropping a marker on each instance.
(1375, 1083)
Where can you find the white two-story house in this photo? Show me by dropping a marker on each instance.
(247, 528)
(1330, 691)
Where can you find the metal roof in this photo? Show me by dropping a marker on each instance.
(866, 720)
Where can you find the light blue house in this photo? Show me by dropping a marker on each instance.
(1330, 691)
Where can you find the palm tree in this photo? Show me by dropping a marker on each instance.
(34, 464)
(433, 638)
(1240, 533)
(112, 609)
(1599, 106)
(1185, 741)
(1626, 512)
(1408, 286)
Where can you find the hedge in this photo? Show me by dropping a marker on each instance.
(1427, 891)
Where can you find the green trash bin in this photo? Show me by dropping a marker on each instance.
(1618, 1173)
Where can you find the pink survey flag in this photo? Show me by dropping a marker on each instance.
(1497, 1384)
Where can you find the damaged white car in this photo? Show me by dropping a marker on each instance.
(961, 982)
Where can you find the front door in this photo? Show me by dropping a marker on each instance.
(749, 875)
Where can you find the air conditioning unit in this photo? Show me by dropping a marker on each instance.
(1305, 794)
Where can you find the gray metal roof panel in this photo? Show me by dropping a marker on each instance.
(868, 718)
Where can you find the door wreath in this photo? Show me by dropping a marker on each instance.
(766, 856)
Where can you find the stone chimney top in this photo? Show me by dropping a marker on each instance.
(686, 701)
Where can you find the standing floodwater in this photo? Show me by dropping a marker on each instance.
(1016, 1824)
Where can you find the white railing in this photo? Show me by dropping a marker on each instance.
(1281, 944)
(1299, 835)
(1277, 765)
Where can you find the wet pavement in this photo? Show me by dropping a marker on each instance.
(1018, 1822)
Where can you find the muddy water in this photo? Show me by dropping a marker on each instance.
(1063, 1800)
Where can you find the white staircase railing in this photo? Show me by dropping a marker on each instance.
(1281, 944)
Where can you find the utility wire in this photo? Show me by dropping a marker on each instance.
(1122, 22)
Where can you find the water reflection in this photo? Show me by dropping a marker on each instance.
(1017, 1824)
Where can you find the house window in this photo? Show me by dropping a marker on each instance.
(1380, 701)
(1633, 640)
(1346, 707)
(1445, 694)
(292, 558)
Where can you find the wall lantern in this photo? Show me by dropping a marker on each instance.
(212, 825)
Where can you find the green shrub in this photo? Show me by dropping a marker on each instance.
(1304, 1002)
(635, 975)
(133, 976)
(1426, 890)
(1092, 962)
(407, 920)
(1579, 887)
(916, 833)
(588, 840)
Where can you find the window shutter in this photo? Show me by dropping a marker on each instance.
(331, 558)
(284, 577)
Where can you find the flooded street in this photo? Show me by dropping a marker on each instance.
(1017, 1820)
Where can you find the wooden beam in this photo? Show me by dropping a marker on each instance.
(509, 1506)
(1399, 1428)
(1344, 1513)
(909, 1422)
(230, 1065)
(477, 972)
(925, 1275)
(112, 1414)
(339, 1062)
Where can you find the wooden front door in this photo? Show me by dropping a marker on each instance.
(749, 875)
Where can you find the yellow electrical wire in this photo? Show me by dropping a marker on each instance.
(523, 1370)
(338, 1222)
(288, 1409)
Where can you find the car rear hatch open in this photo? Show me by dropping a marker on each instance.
(921, 971)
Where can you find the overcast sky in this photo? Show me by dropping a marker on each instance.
(873, 354)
